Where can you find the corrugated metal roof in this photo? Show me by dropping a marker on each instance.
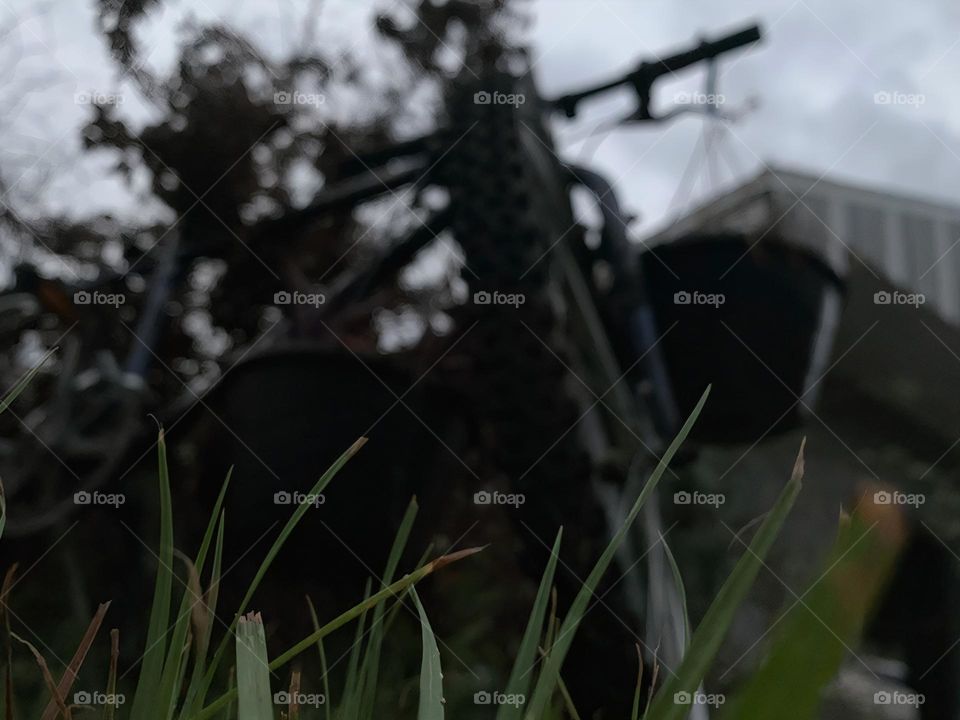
(912, 242)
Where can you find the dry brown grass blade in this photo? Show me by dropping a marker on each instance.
(294, 707)
(8, 672)
(112, 676)
(655, 674)
(445, 560)
(70, 674)
(47, 678)
(198, 608)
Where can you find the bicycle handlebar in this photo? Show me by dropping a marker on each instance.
(647, 72)
(707, 50)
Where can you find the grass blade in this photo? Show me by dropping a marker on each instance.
(713, 628)
(7, 640)
(254, 701)
(353, 613)
(151, 670)
(681, 591)
(371, 661)
(353, 687)
(274, 549)
(174, 665)
(635, 712)
(47, 678)
(816, 635)
(324, 672)
(5, 403)
(293, 708)
(548, 680)
(431, 676)
(22, 383)
(522, 672)
(203, 617)
(110, 707)
(70, 674)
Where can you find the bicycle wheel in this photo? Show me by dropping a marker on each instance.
(511, 208)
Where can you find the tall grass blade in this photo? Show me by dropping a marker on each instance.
(713, 628)
(175, 663)
(203, 620)
(817, 634)
(324, 672)
(151, 670)
(522, 673)
(371, 660)
(274, 549)
(353, 688)
(548, 680)
(431, 676)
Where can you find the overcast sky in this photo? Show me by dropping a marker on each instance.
(816, 77)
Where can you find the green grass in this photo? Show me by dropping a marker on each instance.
(181, 678)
